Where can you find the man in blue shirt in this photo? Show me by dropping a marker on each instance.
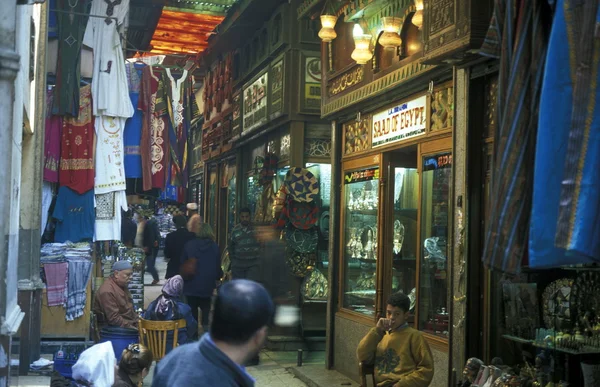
(242, 312)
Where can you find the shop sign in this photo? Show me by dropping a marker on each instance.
(400, 122)
(364, 175)
(236, 129)
(277, 88)
(442, 161)
(255, 103)
(312, 83)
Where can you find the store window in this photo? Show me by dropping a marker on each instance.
(323, 174)
(361, 202)
(435, 248)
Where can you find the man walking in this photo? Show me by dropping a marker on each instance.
(242, 312)
(174, 243)
(151, 245)
(244, 249)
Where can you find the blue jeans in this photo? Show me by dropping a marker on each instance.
(151, 264)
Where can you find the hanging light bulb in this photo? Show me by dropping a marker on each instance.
(361, 54)
(390, 38)
(327, 32)
(417, 18)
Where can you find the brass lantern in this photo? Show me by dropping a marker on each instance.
(390, 38)
(417, 19)
(362, 53)
(327, 32)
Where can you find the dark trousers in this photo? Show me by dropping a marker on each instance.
(246, 272)
(151, 264)
(204, 304)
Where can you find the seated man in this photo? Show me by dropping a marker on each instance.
(113, 304)
(401, 355)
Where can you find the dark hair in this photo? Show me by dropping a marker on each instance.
(241, 308)
(179, 221)
(245, 210)
(135, 358)
(399, 300)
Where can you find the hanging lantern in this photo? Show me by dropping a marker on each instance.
(327, 32)
(390, 38)
(361, 54)
(417, 19)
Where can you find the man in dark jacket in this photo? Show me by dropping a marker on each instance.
(244, 249)
(242, 312)
(128, 229)
(151, 246)
(174, 243)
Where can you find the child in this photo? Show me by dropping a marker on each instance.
(401, 355)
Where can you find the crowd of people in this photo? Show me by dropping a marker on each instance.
(236, 315)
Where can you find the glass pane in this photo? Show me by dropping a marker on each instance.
(406, 200)
(433, 280)
(323, 174)
(361, 201)
(231, 214)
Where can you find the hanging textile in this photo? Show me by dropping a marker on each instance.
(133, 126)
(517, 37)
(52, 138)
(56, 283)
(79, 275)
(47, 196)
(72, 21)
(110, 168)
(75, 215)
(52, 23)
(109, 207)
(177, 129)
(109, 82)
(566, 196)
(77, 147)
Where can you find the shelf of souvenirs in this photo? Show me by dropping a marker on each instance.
(571, 346)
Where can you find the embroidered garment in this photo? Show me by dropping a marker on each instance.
(75, 215)
(566, 194)
(133, 126)
(109, 207)
(109, 82)
(71, 27)
(517, 37)
(177, 129)
(148, 88)
(110, 168)
(79, 275)
(52, 138)
(56, 283)
(76, 150)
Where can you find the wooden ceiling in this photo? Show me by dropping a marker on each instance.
(173, 26)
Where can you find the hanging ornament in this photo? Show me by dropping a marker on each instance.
(390, 38)
(361, 54)
(327, 32)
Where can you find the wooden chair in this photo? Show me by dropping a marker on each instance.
(95, 327)
(365, 369)
(154, 335)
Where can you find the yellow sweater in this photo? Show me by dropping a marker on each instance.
(402, 358)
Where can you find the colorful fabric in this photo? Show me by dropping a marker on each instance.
(71, 28)
(77, 147)
(56, 283)
(566, 196)
(110, 168)
(302, 184)
(133, 127)
(79, 275)
(52, 138)
(518, 38)
(148, 88)
(171, 290)
(75, 215)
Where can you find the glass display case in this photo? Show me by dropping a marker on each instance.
(360, 204)
(435, 249)
(323, 174)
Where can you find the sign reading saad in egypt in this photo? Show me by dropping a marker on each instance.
(363, 175)
(400, 122)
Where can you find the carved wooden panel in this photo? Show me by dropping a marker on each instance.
(442, 109)
(357, 136)
(345, 81)
(454, 27)
(491, 93)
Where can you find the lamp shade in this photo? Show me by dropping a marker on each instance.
(417, 18)
(362, 54)
(327, 32)
(390, 38)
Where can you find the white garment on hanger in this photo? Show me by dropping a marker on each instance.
(176, 95)
(110, 155)
(110, 92)
(107, 226)
(47, 195)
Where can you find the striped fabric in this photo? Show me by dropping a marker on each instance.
(517, 37)
(566, 201)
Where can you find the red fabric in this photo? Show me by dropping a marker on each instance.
(56, 283)
(77, 147)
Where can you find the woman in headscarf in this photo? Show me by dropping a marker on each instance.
(168, 307)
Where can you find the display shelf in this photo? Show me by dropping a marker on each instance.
(363, 212)
(591, 351)
(517, 339)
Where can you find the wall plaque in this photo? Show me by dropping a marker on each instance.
(346, 81)
(312, 84)
(277, 88)
(255, 103)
